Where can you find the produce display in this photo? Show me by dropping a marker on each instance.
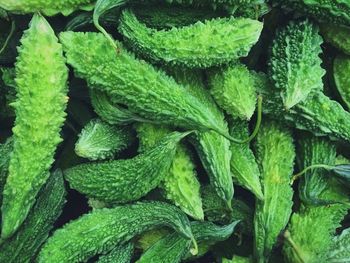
(168, 131)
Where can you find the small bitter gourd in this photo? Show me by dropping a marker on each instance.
(310, 233)
(147, 92)
(180, 184)
(203, 44)
(341, 70)
(272, 214)
(125, 180)
(245, 170)
(48, 8)
(338, 36)
(24, 245)
(103, 229)
(119, 254)
(340, 248)
(41, 85)
(295, 65)
(234, 90)
(99, 140)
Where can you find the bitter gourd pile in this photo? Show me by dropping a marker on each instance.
(164, 131)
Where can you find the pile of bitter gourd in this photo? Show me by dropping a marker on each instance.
(164, 131)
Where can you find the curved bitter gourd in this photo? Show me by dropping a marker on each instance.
(144, 90)
(295, 65)
(272, 214)
(41, 85)
(341, 70)
(203, 44)
(125, 180)
(49, 8)
(99, 140)
(103, 229)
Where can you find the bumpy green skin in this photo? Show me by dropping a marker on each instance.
(234, 90)
(41, 85)
(5, 154)
(312, 230)
(173, 247)
(317, 114)
(213, 149)
(125, 180)
(147, 92)
(341, 69)
(272, 214)
(148, 238)
(24, 245)
(103, 229)
(295, 65)
(180, 183)
(340, 248)
(99, 140)
(336, 11)
(337, 36)
(245, 170)
(120, 254)
(200, 45)
(48, 8)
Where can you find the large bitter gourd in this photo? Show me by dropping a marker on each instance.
(103, 229)
(41, 85)
(203, 44)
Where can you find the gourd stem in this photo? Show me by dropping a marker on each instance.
(13, 26)
(194, 249)
(289, 239)
(314, 166)
(107, 35)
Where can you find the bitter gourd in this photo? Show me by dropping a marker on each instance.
(146, 92)
(338, 36)
(173, 247)
(41, 85)
(341, 70)
(340, 248)
(125, 180)
(310, 233)
(24, 245)
(48, 8)
(99, 140)
(213, 42)
(180, 183)
(103, 229)
(295, 65)
(272, 214)
(226, 87)
(120, 254)
(245, 170)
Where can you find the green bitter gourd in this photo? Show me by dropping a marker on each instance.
(341, 70)
(338, 36)
(340, 248)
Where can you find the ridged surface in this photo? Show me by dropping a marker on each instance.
(103, 229)
(99, 140)
(49, 8)
(119, 254)
(295, 65)
(41, 101)
(125, 180)
(337, 36)
(203, 44)
(24, 245)
(340, 249)
(272, 214)
(341, 71)
(147, 92)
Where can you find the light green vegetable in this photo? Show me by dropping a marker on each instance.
(99, 140)
(341, 69)
(41, 85)
(203, 44)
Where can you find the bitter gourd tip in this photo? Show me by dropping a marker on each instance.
(194, 249)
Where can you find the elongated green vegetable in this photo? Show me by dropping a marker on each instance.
(41, 100)
(272, 214)
(103, 229)
(341, 69)
(214, 42)
(340, 248)
(125, 180)
(99, 140)
(295, 65)
(180, 183)
(338, 36)
(48, 8)
(24, 245)
(120, 254)
(147, 92)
